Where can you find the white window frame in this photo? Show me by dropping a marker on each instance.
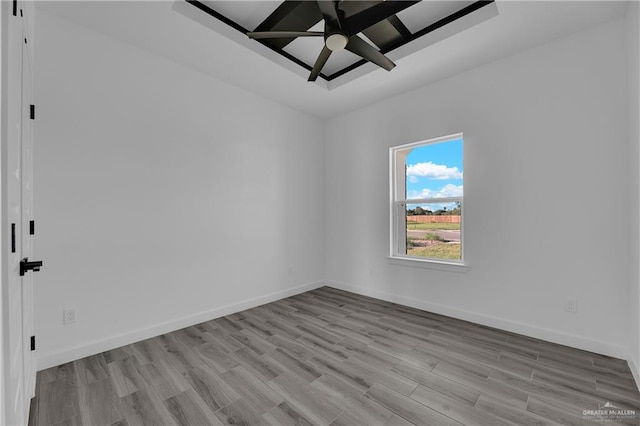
(398, 204)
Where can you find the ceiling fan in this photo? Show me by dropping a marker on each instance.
(341, 32)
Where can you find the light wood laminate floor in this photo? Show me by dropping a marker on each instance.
(328, 357)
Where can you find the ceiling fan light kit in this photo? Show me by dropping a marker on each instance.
(336, 42)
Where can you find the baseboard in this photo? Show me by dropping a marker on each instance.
(634, 370)
(100, 345)
(554, 336)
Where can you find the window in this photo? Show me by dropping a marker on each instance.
(427, 200)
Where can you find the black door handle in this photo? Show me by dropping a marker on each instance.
(25, 265)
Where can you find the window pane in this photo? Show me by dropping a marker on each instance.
(427, 192)
(433, 230)
(435, 170)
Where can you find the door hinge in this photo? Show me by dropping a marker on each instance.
(32, 112)
(32, 227)
(15, 7)
(33, 343)
(13, 238)
(21, 15)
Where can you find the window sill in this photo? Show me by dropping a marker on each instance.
(428, 264)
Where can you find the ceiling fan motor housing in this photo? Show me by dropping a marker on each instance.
(336, 41)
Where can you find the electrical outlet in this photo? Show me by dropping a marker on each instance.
(69, 316)
(572, 305)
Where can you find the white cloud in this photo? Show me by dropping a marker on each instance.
(433, 171)
(446, 191)
(450, 190)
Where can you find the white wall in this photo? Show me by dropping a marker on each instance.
(633, 49)
(149, 177)
(163, 197)
(546, 195)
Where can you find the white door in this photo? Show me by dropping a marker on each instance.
(27, 215)
(17, 301)
(14, 377)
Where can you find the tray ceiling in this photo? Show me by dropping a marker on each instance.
(402, 30)
(183, 34)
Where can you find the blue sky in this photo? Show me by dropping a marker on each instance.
(435, 170)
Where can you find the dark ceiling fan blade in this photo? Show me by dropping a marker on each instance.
(283, 34)
(329, 12)
(290, 16)
(374, 14)
(317, 67)
(362, 48)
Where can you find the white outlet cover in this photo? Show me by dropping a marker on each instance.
(69, 316)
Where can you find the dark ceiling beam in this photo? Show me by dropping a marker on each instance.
(376, 13)
(219, 16)
(441, 23)
(451, 18)
(290, 16)
(209, 11)
(384, 34)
